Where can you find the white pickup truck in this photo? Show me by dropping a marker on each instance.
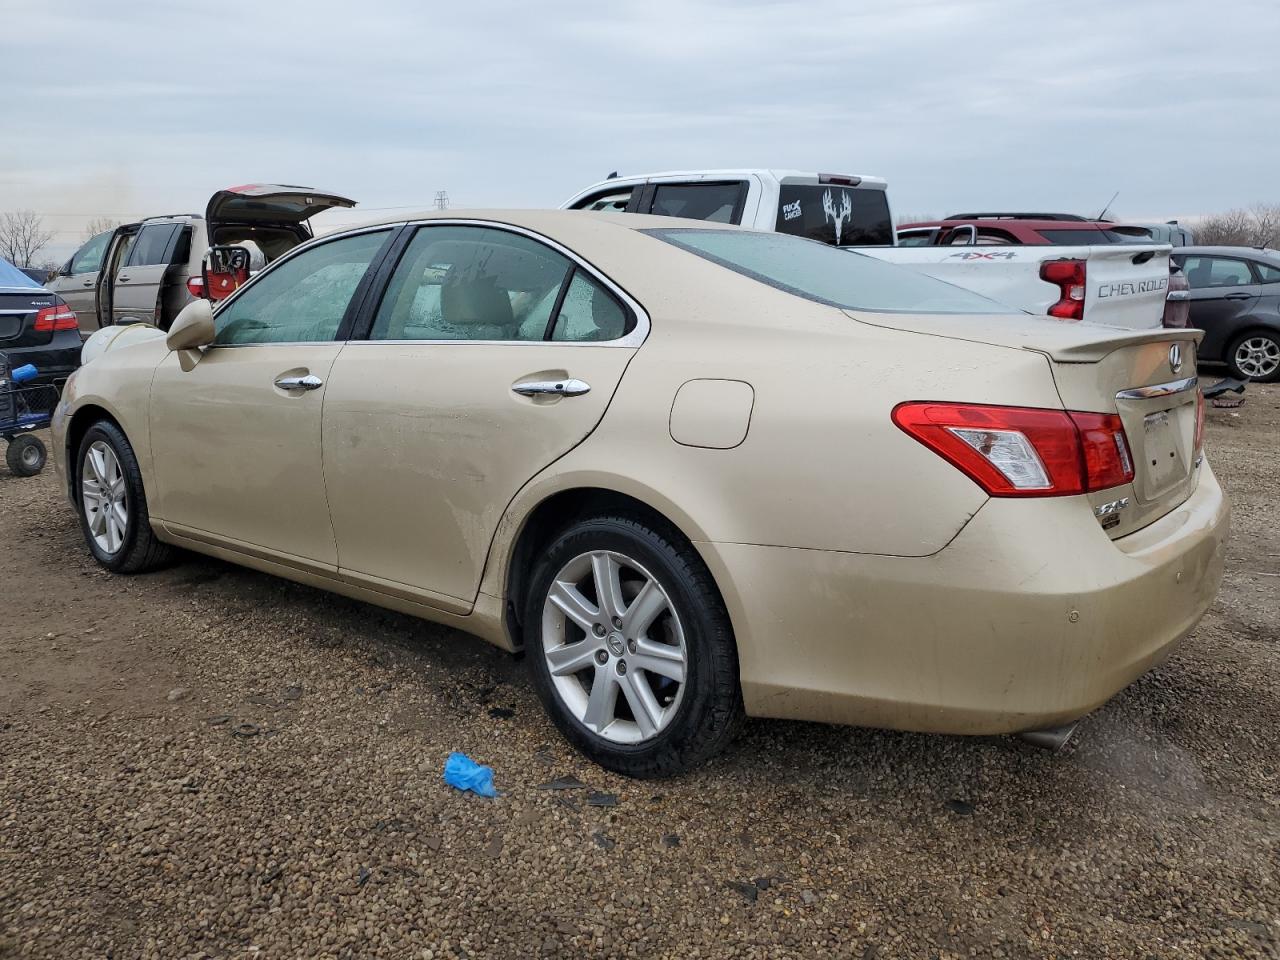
(1118, 285)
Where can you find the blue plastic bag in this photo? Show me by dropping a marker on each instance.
(462, 772)
(23, 373)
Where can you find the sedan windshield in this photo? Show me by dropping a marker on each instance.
(825, 274)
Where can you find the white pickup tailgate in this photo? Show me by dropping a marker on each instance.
(1125, 284)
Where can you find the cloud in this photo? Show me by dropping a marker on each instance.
(959, 103)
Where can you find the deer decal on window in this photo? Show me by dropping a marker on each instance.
(837, 217)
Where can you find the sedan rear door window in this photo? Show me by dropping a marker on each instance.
(471, 283)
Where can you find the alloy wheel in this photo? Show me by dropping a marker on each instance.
(1258, 357)
(614, 646)
(104, 497)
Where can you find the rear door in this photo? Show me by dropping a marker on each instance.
(136, 297)
(491, 353)
(1224, 290)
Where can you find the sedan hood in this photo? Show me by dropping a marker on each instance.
(1060, 341)
(273, 203)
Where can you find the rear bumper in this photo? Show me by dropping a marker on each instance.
(1028, 619)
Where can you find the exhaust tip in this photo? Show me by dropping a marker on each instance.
(1052, 739)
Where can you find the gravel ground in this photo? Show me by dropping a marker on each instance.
(208, 762)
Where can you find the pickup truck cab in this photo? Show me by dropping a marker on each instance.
(1109, 281)
(843, 210)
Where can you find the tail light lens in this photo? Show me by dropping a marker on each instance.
(1023, 451)
(1069, 277)
(57, 317)
(195, 287)
(1199, 441)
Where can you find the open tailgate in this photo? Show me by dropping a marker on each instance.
(1126, 285)
(270, 203)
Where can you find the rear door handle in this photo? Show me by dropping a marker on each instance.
(1238, 296)
(88, 283)
(309, 382)
(122, 279)
(557, 388)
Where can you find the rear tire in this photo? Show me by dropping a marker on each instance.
(658, 649)
(26, 455)
(1255, 356)
(113, 504)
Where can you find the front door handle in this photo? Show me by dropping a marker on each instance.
(555, 388)
(88, 283)
(122, 279)
(1238, 296)
(309, 382)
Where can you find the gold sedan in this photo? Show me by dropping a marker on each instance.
(694, 472)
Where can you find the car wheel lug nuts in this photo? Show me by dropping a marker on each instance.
(631, 646)
(622, 667)
(617, 622)
(601, 657)
(598, 629)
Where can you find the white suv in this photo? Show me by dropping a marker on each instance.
(838, 209)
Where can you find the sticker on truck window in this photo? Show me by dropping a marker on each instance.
(790, 211)
(837, 214)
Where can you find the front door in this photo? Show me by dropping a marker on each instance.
(76, 283)
(236, 433)
(491, 355)
(1223, 289)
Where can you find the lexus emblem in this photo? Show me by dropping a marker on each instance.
(1175, 358)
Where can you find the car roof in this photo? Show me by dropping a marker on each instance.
(732, 172)
(1256, 253)
(548, 221)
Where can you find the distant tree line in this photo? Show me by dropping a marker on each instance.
(1257, 226)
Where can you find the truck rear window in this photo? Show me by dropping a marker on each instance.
(839, 216)
(839, 278)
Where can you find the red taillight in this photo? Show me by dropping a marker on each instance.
(1107, 462)
(57, 317)
(1069, 277)
(195, 286)
(1023, 451)
(1199, 440)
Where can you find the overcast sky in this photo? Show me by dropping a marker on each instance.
(128, 110)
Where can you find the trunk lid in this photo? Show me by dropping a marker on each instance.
(1137, 374)
(271, 204)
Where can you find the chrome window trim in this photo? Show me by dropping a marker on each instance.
(1159, 389)
(632, 339)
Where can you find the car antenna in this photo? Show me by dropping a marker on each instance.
(612, 176)
(1108, 206)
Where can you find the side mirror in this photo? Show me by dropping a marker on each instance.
(192, 328)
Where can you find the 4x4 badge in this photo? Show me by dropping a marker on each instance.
(1175, 358)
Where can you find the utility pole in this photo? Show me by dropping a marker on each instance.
(442, 200)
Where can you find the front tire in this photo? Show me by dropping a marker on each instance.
(630, 648)
(1255, 356)
(113, 504)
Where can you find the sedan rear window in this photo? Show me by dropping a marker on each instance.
(824, 274)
